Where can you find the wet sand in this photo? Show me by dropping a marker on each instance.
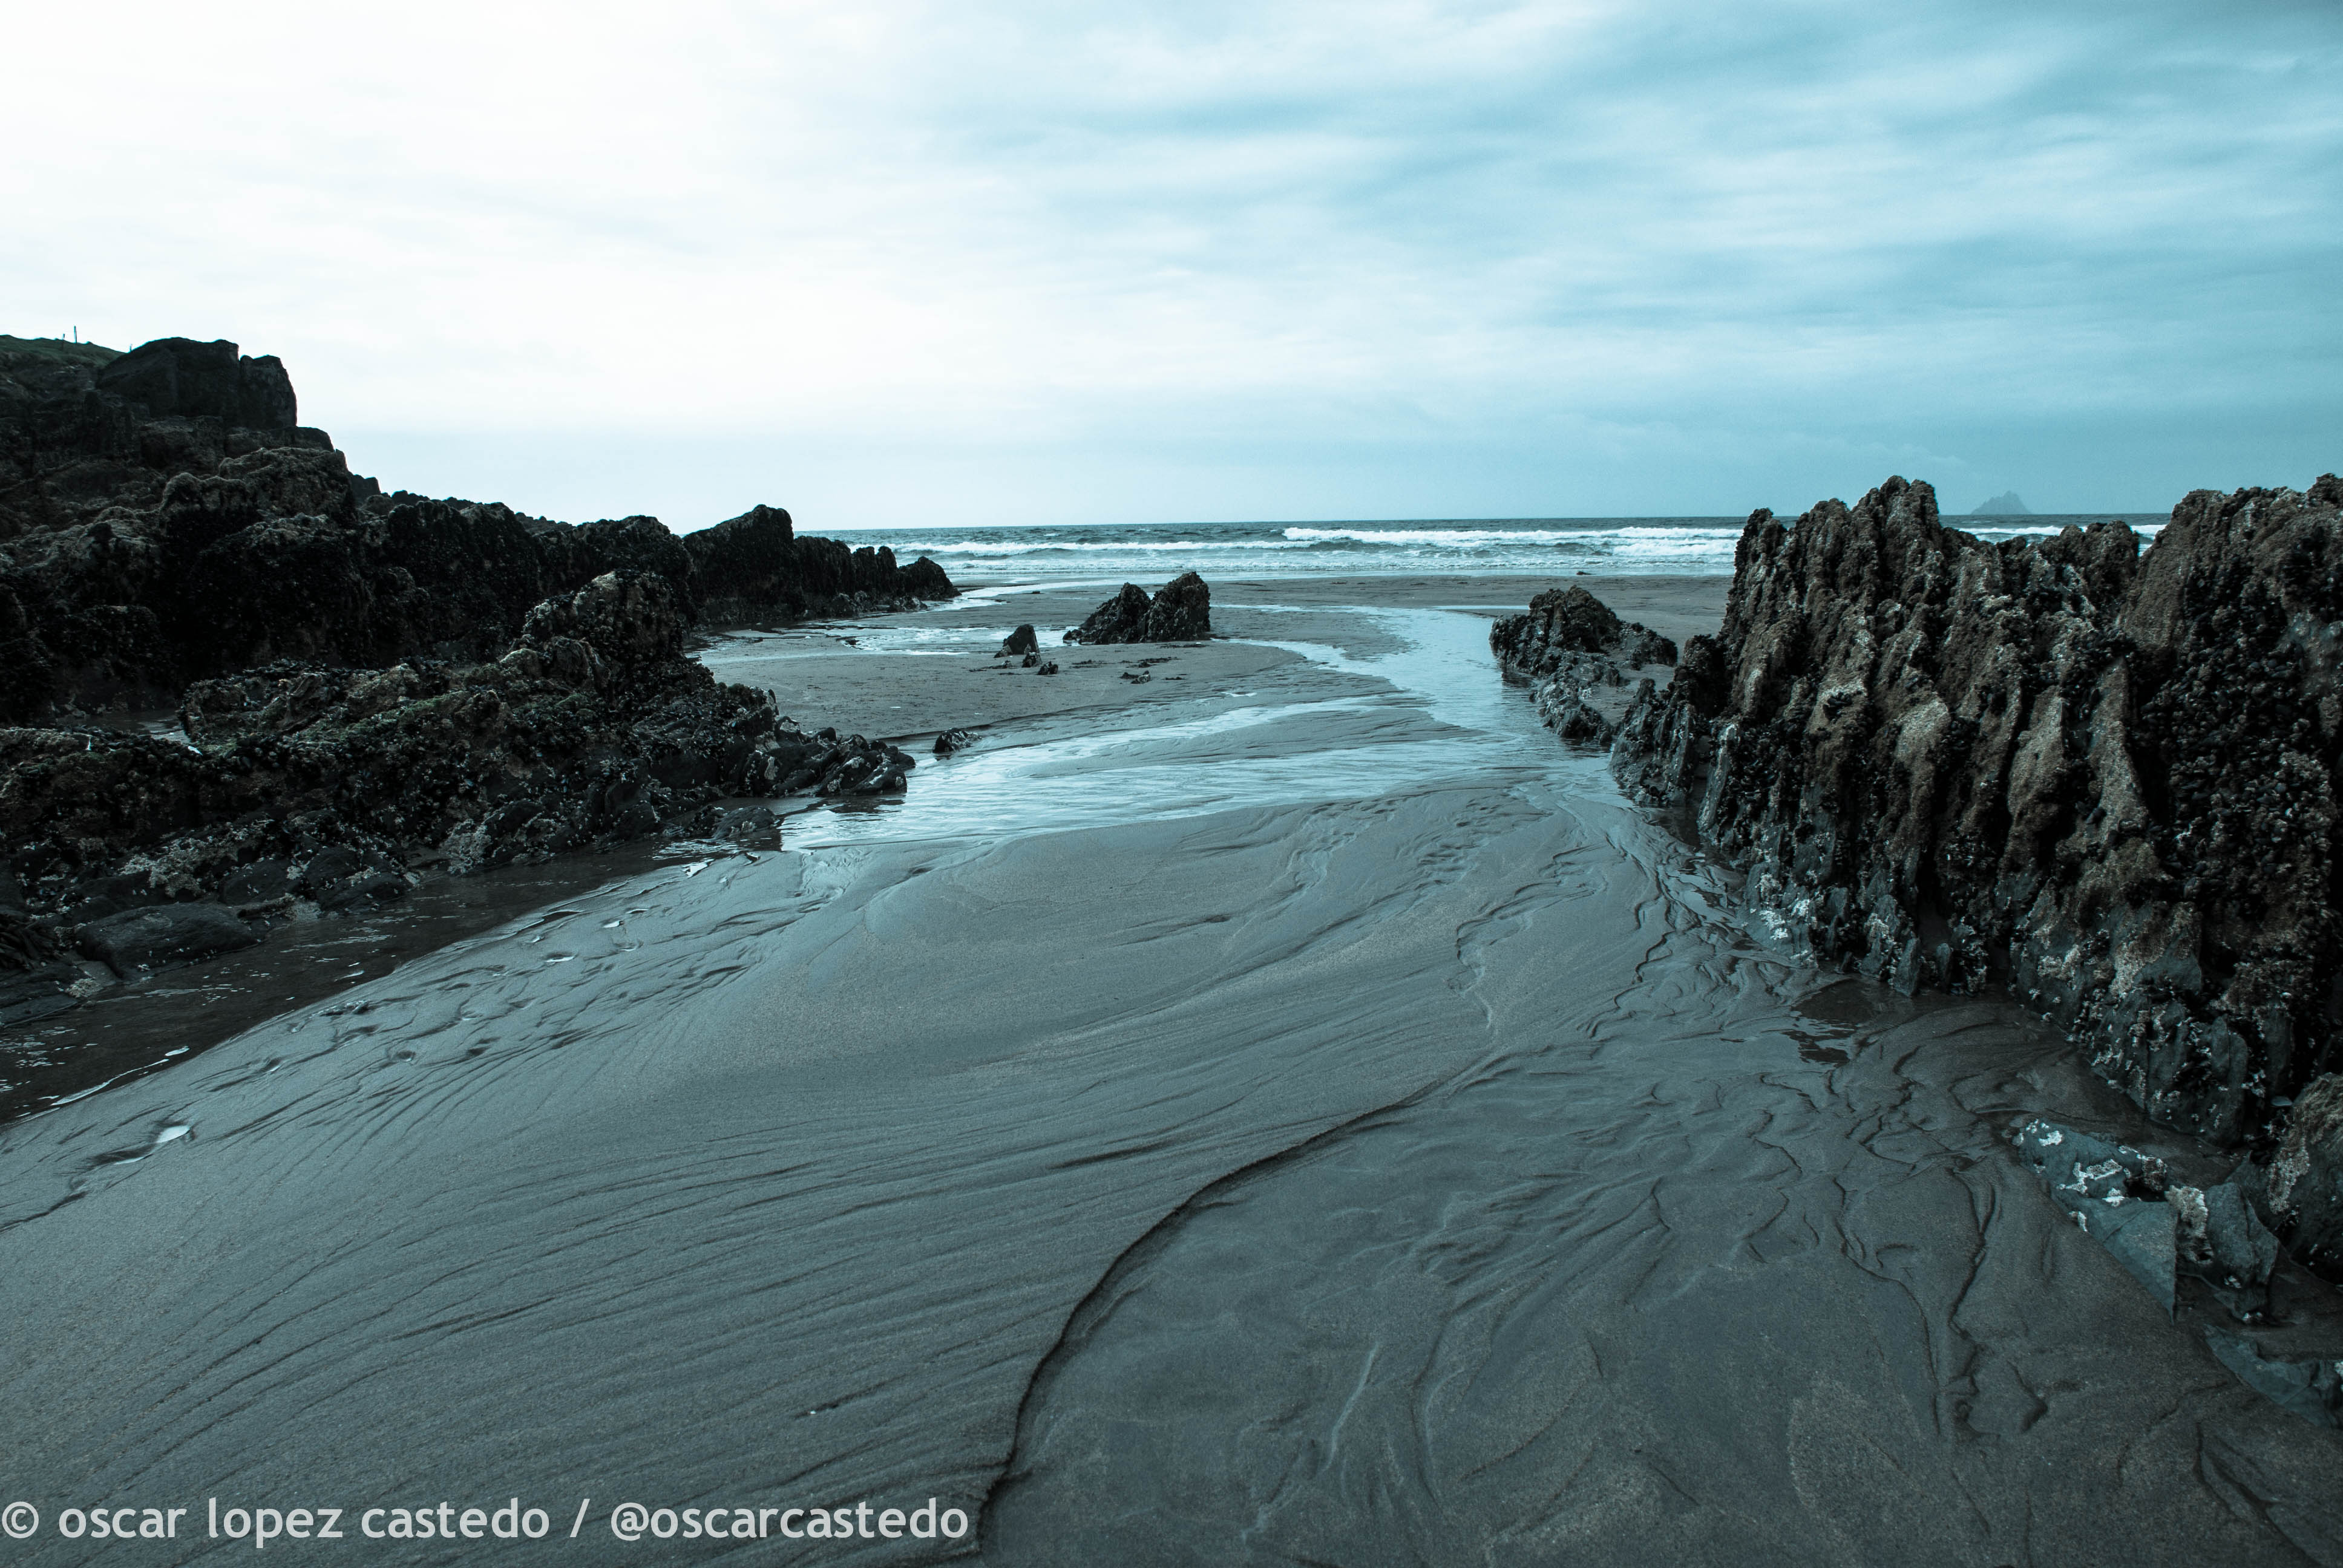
(823, 678)
(1299, 1115)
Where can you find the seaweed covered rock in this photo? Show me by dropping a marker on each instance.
(1579, 659)
(2107, 780)
(1180, 611)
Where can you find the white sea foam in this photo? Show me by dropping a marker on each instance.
(1697, 546)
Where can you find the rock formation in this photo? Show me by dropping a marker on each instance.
(753, 571)
(334, 785)
(163, 519)
(1578, 658)
(1181, 611)
(368, 685)
(2104, 780)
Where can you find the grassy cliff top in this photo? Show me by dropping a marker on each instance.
(63, 350)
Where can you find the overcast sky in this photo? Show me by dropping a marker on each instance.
(895, 263)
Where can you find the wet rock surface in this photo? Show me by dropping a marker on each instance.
(2165, 1232)
(2104, 779)
(1180, 611)
(1585, 667)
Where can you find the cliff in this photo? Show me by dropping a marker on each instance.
(163, 518)
(2103, 780)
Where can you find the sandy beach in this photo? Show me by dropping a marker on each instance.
(821, 677)
(1297, 1112)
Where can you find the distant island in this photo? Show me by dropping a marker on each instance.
(2004, 505)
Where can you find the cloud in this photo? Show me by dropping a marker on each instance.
(1327, 254)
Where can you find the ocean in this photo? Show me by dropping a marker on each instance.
(1515, 546)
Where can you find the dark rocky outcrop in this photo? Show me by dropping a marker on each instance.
(180, 377)
(163, 518)
(1579, 659)
(1180, 611)
(1021, 641)
(755, 571)
(336, 784)
(369, 685)
(2102, 780)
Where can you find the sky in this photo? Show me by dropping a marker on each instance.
(896, 264)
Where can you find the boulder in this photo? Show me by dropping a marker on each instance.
(1180, 612)
(1584, 666)
(1021, 640)
(164, 934)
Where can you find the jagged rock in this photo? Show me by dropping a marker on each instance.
(953, 741)
(163, 519)
(1048, 666)
(1575, 655)
(165, 934)
(2073, 1162)
(2109, 779)
(858, 767)
(329, 785)
(2219, 1239)
(2300, 1187)
(1118, 620)
(1181, 611)
(629, 622)
(753, 569)
(1021, 640)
